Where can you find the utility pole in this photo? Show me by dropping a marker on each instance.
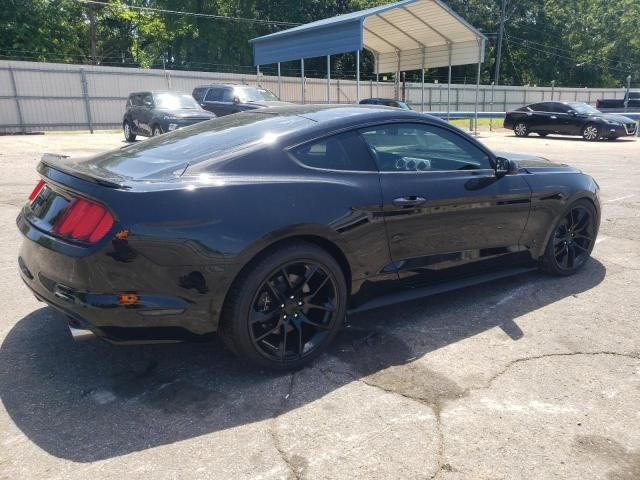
(496, 75)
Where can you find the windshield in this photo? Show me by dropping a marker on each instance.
(172, 152)
(580, 107)
(174, 101)
(252, 94)
(267, 95)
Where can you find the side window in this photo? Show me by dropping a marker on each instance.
(214, 95)
(422, 148)
(344, 151)
(227, 95)
(136, 100)
(198, 93)
(560, 108)
(147, 100)
(538, 107)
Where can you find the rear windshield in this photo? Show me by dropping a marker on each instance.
(175, 101)
(169, 154)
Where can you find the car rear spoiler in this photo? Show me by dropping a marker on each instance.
(57, 162)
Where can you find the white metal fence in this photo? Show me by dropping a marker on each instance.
(51, 96)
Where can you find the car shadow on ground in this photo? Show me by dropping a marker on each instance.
(91, 400)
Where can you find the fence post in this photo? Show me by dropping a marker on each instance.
(15, 96)
(505, 100)
(85, 94)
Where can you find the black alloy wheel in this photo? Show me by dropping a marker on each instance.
(572, 241)
(293, 311)
(286, 308)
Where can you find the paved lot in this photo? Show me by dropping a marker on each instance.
(528, 378)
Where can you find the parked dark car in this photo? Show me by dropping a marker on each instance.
(387, 102)
(225, 99)
(568, 118)
(629, 103)
(269, 226)
(153, 113)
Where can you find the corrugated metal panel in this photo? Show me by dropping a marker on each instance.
(399, 27)
(48, 104)
(344, 37)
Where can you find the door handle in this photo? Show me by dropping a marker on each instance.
(409, 201)
(554, 117)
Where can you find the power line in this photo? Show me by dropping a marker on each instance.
(525, 45)
(190, 14)
(564, 50)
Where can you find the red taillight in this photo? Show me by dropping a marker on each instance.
(36, 190)
(84, 220)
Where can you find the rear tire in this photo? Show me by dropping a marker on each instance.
(521, 129)
(591, 132)
(572, 240)
(129, 136)
(264, 326)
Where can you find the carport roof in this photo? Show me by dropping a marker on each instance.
(416, 31)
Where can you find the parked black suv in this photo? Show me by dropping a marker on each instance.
(153, 113)
(225, 99)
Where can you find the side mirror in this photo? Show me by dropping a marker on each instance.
(503, 166)
(236, 99)
(572, 113)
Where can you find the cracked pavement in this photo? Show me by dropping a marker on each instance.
(532, 377)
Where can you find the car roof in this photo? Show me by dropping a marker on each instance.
(209, 85)
(335, 117)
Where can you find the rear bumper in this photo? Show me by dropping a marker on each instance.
(87, 291)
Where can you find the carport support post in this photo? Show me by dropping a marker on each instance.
(422, 78)
(493, 84)
(328, 78)
(15, 96)
(357, 76)
(258, 75)
(449, 86)
(85, 94)
(480, 48)
(377, 76)
(302, 78)
(279, 84)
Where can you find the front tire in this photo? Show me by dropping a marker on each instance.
(591, 132)
(572, 240)
(157, 131)
(286, 308)
(129, 136)
(521, 129)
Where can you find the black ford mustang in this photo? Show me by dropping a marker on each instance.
(568, 118)
(269, 226)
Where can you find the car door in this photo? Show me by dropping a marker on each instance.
(443, 204)
(543, 118)
(135, 113)
(146, 113)
(564, 122)
(213, 101)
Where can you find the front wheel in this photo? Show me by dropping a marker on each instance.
(572, 240)
(129, 136)
(285, 309)
(157, 131)
(591, 132)
(521, 129)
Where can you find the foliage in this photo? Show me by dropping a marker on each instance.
(574, 42)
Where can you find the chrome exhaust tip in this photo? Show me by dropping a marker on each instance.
(80, 334)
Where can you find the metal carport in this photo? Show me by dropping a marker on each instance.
(406, 35)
